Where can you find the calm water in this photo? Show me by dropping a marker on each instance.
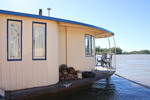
(133, 67)
(116, 89)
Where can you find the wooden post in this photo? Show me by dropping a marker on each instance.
(108, 79)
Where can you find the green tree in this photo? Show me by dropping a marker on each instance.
(145, 52)
(138, 52)
(97, 49)
(106, 50)
(118, 50)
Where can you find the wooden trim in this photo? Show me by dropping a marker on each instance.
(66, 45)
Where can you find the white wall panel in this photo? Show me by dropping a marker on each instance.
(28, 73)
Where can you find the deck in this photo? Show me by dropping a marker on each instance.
(59, 87)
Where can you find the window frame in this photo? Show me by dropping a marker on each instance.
(93, 44)
(90, 37)
(10, 59)
(45, 58)
(87, 35)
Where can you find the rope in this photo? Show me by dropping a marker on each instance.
(148, 87)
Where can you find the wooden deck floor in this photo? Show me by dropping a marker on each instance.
(26, 93)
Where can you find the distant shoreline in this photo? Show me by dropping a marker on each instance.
(118, 50)
(127, 54)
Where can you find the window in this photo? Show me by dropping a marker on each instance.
(89, 45)
(14, 40)
(39, 41)
(92, 46)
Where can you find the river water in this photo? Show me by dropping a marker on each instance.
(133, 67)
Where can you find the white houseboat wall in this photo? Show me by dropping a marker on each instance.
(32, 47)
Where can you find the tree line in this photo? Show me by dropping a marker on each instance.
(100, 51)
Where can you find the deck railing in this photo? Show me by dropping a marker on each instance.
(106, 62)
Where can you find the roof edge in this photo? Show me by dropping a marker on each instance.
(52, 18)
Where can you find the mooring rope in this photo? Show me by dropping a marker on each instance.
(148, 87)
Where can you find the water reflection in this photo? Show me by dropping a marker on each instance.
(99, 90)
(103, 89)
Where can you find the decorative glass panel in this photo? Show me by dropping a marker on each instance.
(92, 45)
(87, 45)
(14, 40)
(39, 41)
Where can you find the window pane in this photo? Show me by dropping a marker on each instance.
(14, 40)
(39, 41)
(92, 45)
(87, 45)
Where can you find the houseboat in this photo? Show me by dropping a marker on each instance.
(32, 47)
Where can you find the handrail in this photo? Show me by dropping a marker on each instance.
(115, 51)
(109, 50)
(110, 62)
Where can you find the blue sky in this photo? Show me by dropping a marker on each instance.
(128, 19)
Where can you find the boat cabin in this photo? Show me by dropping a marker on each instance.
(33, 46)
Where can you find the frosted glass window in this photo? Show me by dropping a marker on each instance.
(14, 40)
(92, 45)
(39, 41)
(89, 45)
